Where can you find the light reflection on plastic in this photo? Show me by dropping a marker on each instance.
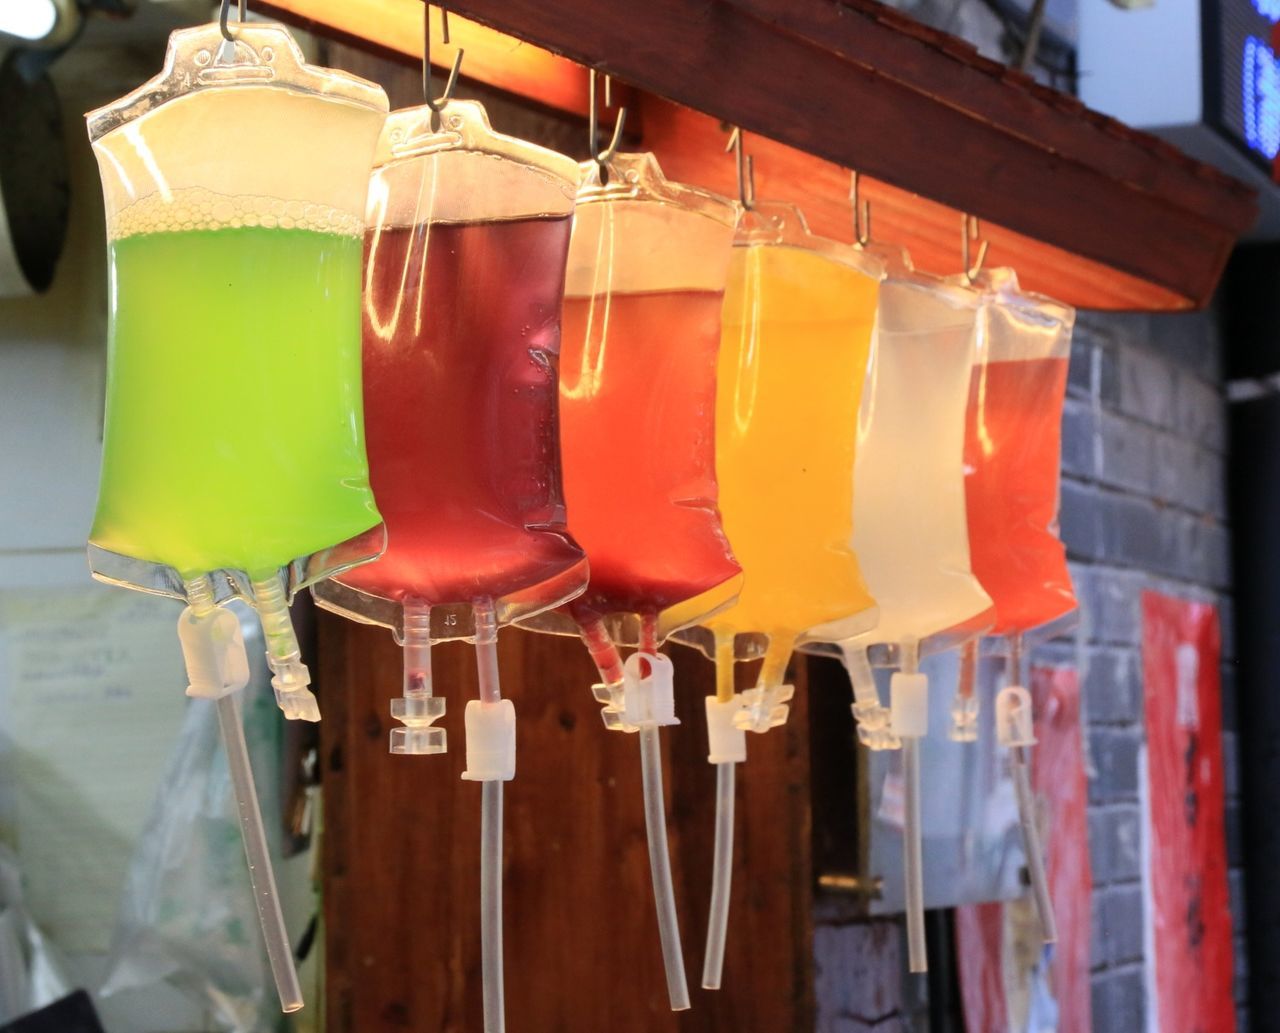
(1260, 83)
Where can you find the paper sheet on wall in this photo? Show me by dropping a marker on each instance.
(91, 695)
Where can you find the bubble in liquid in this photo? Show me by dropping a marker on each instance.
(196, 208)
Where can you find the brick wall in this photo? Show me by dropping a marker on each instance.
(1143, 507)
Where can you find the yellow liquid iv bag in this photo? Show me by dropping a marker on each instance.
(796, 334)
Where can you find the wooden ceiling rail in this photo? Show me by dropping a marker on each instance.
(857, 84)
(1089, 210)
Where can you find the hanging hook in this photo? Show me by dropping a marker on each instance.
(602, 158)
(746, 169)
(861, 212)
(222, 19)
(437, 105)
(969, 231)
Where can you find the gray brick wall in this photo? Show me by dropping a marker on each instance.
(1143, 506)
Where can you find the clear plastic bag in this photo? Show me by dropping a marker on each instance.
(793, 356)
(643, 298)
(1013, 445)
(187, 916)
(465, 251)
(233, 443)
(797, 333)
(468, 234)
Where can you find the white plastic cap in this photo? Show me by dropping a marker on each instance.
(727, 743)
(909, 705)
(418, 737)
(763, 709)
(1013, 717)
(491, 741)
(647, 700)
(213, 649)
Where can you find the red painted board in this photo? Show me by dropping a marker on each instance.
(1185, 851)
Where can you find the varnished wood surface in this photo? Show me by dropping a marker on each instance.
(1092, 212)
(401, 855)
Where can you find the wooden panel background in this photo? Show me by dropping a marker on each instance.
(401, 855)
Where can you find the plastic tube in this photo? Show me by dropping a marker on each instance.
(1031, 844)
(491, 906)
(494, 996)
(655, 824)
(964, 708)
(290, 676)
(913, 862)
(655, 820)
(603, 652)
(261, 876)
(871, 715)
(265, 897)
(721, 877)
(912, 854)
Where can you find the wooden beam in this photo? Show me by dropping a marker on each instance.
(393, 29)
(851, 82)
(1084, 208)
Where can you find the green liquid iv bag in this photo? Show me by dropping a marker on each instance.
(233, 449)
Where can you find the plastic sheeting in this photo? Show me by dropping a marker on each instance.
(1009, 981)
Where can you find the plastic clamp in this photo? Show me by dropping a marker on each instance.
(291, 679)
(418, 738)
(491, 741)
(726, 742)
(213, 650)
(909, 705)
(763, 709)
(872, 722)
(1013, 717)
(648, 700)
(964, 718)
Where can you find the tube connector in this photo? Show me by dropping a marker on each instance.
(213, 650)
(726, 742)
(873, 723)
(647, 700)
(909, 705)
(763, 709)
(290, 677)
(491, 741)
(419, 737)
(964, 719)
(1013, 717)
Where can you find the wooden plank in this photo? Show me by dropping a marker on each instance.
(786, 72)
(1149, 211)
(690, 146)
(401, 855)
(393, 29)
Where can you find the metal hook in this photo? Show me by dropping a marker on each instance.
(222, 19)
(435, 105)
(602, 158)
(861, 213)
(969, 231)
(746, 169)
